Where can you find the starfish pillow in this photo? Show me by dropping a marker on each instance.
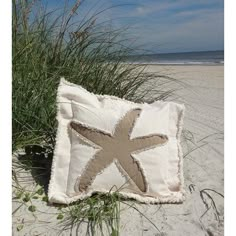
(107, 144)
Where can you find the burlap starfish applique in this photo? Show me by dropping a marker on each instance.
(117, 147)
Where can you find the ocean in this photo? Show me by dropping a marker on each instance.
(184, 58)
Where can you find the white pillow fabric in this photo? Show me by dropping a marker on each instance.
(105, 144)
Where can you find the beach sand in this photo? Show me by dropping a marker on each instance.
(201, 89)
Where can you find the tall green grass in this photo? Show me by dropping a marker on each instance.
(49, 45)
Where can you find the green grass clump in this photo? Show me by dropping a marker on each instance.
(101, 213)
(50, 45)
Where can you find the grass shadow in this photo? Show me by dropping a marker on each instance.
(38, 161)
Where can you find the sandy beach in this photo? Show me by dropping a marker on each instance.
(202, 212)
(201, 89)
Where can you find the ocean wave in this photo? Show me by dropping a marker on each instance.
(178, 62)
(185, 58)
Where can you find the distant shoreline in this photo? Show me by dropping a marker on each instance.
(190, 58)
(173, 64)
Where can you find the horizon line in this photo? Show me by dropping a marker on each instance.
(218, 50)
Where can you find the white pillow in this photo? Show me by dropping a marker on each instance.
(105, 144)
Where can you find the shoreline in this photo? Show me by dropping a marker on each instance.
(152, 64)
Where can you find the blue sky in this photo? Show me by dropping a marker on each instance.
(165, 25)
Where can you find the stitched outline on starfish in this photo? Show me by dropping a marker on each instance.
(117, 147)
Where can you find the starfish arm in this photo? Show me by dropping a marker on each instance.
(126, 124)
(93, 167)
(92, 134)
(147, 142)
(132, 168)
